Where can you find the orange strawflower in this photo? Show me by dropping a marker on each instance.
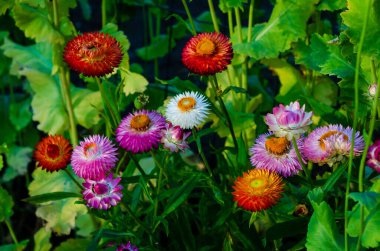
(207, 53)
(94, 54)
(53, 153)
(258, 189)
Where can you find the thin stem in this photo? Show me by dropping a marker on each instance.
(200, 150)
(250, 20)
(230, 22)
(73, 179)
(107, 105)
(141, 170)
(193, 30)
(134, 217)
(356, 102)
(213, 16)
(220, 100)
(104, 13)
(304, 167)
(159, 181)
(120, 163)
(238, 24)
(9, 225)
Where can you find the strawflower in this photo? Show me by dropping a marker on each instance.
(289, 121)
(102, 194)
(258, 189)
(53, 153)
(93, 54)
(174, 138)
(373, 156)
(187, 110)
(127, 247)
(276, 154)
(94, 157)
(207, 53)
(141, 131)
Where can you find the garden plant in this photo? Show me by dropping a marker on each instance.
(189, 125)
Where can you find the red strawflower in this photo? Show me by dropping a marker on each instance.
(207, 53)
(94, 54)
(53, 153)
(258, 189)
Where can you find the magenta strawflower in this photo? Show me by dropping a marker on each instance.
(289, 121)
(331, 144)
(276, 155)
(127, 247)
(140, 131)
(102, 194)
(94, 157)
(174, 138)
(373, 156)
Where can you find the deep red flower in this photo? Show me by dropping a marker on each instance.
(93, 54)
(207, 53)
(53, 153)
(258, 189)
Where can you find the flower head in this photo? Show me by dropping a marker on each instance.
(288, 121)
(140, 131)
(53, 153)
(94, 54)
(258, 189)
(371, 94)
(187, 110)
(174, 138)
(94, 157)
(373, 156)
(127, 247)
(102, 194)
(207, 53)
(331, 144)
(276, 154)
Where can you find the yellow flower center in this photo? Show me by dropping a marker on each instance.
(140, 122)
(328, 134)
(277, 146)
(205, 47)
(258, 183)
(186, 104)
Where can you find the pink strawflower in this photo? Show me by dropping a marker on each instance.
(127, 247)
(289, 121)
(373, 156)
(276, 155)
(94, 157)
(331, 144)
(140, 131)
(102, 194)
(174, 138)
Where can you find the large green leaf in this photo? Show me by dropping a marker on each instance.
(353, 18)
(20, 114)
(6, 203)
(133, 82)
(42, 240)
(73, 244)
(287, 24)
(157, 49)
(18, 159)
(5, 5)
(59, 215)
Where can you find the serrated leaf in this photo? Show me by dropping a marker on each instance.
(113, 30)
(34, 3)
(332, 5)
(42, 240)
(367, 199)
(5, 5)
(353, 18)
(287, 24)
(18, 159)
(73, 244)
(224, 5)
(6, 203)
(133, 82)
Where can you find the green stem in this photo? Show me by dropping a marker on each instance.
(200, 150)
(9, 225)
(220, 100)
(137, 220)
(250, 20)
(120, 163)
(73, 179)
(350, 161)
(230, 22)
(213, 16)
(159, 181)
(238, 24)
(304, 167)
(107, 105)
(193, 30)
(104, 13)
(141, 170)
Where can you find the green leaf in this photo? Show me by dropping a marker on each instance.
(322, 232)
(354, 17)
(203, 22)
(113, 30)
(287, 24)
(6, 203)
(157, 49)
(42, 240)
(335, 176)
(5, 5)
(20, 114)
(73, 244)
(59, 215)
(13, 247)
(51, 197)
(332, 5)
(34, 3)
(133, 82)
(7, 133)
(1, 162)
(85, 225)
(224, 5)
(367, 199)
(87, 106)
(316, 195)
(235, 89)
(18, 159)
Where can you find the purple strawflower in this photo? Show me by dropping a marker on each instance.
(94, 157)
(275, 154)
(140, 131)
(288, 121)
(331, 144)
(127, 247)
(102, 194)
(174, 138)
(373, 156)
